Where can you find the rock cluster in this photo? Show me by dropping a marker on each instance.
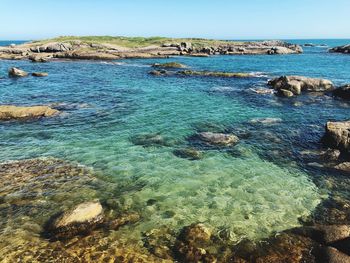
(294, 85)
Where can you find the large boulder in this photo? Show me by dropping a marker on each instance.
(17, 73)
(337, 135)
(342, 92)
(53, 47)
(8, 112)
(342, 49)
(218, 138)
(79, 220)
(298, 84)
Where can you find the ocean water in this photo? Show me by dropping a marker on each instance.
(254, 189)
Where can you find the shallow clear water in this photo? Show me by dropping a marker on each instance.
(253, 189)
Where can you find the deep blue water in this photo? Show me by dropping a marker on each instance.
(105, 105)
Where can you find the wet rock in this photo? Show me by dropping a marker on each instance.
(285, 93)
(40, 74)
(9, 112)
(285, 248)
(263, 91)
(153, 139)
(188, 153)
(331, 155)
(342, 92)
(344, 167)
(79, 220)
(324, 234)
(17, 73)
(160, 73)
(123, 220)
(218, 138)
(160, 242)
(169, 65)
(337, 135)
(299, 84)
(332, 255)
(341, 49)
(196, 233)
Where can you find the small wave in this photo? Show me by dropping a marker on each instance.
(113, 63)
(223, 89)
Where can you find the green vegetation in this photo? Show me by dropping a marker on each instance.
(135, 42)
(169, 65)
(216, 74)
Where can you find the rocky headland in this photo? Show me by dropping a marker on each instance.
(100, 48)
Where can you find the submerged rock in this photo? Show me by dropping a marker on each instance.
(169, 65)
(338, 135)
(8, 112)
(79, 220)
(324, 234)
(17, 73)
(123, 220)
(299, 84)
(152, 139)
(40, 74)
(344, 167)
(192, 242)
(218, 138)
(216, 74)
(188, 153)
(342, 92)
(266, 120)
(160, 72)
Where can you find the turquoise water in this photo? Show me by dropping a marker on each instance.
(254, 189)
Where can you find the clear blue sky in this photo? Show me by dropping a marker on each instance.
(225, 19)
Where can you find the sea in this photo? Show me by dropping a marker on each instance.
(128, 126)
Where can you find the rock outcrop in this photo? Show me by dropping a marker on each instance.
(79, 220)
(341, 49)
(298, 84)
(17, 73)
(342, 92)
(9, 112)
(77, 49)
(337, 135)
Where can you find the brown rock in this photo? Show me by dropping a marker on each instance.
(338, 135)
(298, 84)
(17, 73)
(40, 74)
(8, 112)
(218, 138)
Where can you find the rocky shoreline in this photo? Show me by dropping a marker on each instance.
(77, 49)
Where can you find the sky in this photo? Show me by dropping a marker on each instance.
(219, 19)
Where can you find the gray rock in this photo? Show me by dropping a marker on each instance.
(17, 73)
(344, 167)
(79, 220)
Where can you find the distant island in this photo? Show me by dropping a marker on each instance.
(111, 48)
